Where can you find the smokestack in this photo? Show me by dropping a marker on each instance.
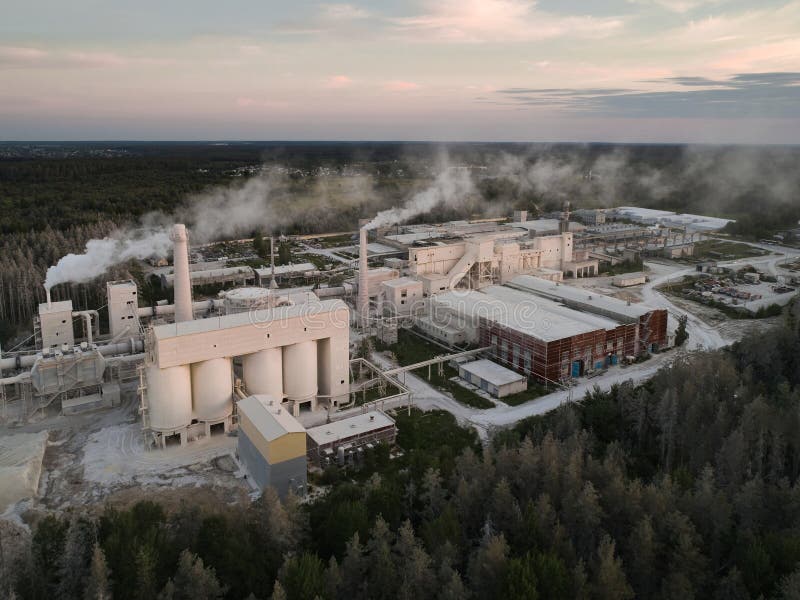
(363, 278)
(47, 291)
(182, 282)
(272, 284)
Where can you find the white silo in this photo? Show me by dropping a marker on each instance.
(263, 372)
(169, 397)
(300, 371)
(212, 389)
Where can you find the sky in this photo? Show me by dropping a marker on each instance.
(704, 71)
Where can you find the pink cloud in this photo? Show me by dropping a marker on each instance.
(338, 82)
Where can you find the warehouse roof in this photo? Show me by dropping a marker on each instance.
(531, 315)
(268, 416)
(492, 372)
(283, 269)
(570, 294)
(345, 428)
(544, 318)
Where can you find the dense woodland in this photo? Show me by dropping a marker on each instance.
(684, 487)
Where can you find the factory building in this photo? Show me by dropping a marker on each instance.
(537, 330)
(651, 323)
(401, 297)
(492, 378)
(295, 351)
(271, 445)
(343, 442)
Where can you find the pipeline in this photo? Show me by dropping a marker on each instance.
(169, 309)
(132, 346)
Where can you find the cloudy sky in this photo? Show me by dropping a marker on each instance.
(518, 70)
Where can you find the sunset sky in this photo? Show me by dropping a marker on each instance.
(518, 70)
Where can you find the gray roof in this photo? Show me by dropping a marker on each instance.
(345, 428)
(492, 372)
(567, 293)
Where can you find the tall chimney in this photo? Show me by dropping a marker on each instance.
(363, 278)
(272, 284)
(182, 282)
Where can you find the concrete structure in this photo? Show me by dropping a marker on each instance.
(629, 279)
(362, 304)
(492, 378)
(55, 324)
(678, 250)
(271, 445)
(182, 282)
(344, 441)
(313, 338)
(590, 216)
(688, 222)
(123, 304)
(401, 296)
(284, 273)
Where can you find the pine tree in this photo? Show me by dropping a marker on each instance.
(681, 335)
(194, 581)
(98, 585)
(610, 582)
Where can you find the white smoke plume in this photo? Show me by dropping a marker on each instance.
(451, 188)
(100, 255)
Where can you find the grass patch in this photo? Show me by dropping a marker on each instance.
(411, 349)
(535, 390)
(720, 249)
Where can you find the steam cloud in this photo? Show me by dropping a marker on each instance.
(100, 255)
(450, 188)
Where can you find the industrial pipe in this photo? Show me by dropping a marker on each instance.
(363, 278)
(26, 361)
(169, 309)
(87, 317)
(15, 378)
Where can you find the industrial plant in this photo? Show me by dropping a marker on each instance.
(277, 369)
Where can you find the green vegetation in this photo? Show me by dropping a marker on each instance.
(627, 266)
(720, 249)
(681, 335)
(535, 390)
(411, 349)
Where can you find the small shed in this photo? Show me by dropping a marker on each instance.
(493, 378)
(629, 279)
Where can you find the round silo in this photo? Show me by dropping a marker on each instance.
(246, 298)
(169, 397)
(263, 372)
(300, 371)
(212, 389)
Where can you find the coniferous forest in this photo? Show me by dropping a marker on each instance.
(684, 487)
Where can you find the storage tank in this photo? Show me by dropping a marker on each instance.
(244, 299)
(169, 397)
(212, 389)
(263, 372)
(300, 370)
